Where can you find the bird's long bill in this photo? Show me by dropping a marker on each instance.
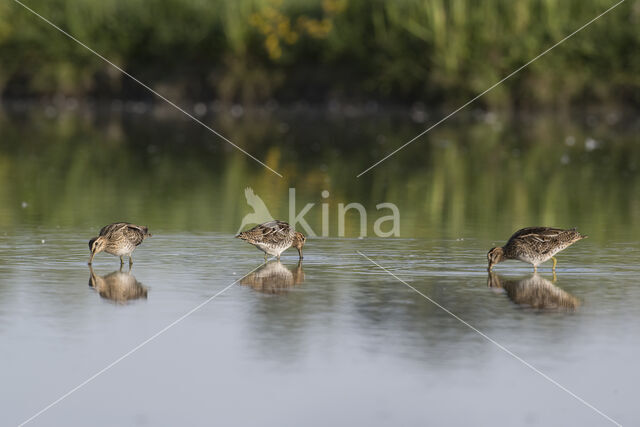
(300, 252)
(490, 266)
(91, 257)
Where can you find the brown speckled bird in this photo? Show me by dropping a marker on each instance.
(119, 239)
(273, 238)
(534, 245)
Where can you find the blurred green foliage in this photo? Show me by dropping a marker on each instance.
(486, 176)
(436, 51)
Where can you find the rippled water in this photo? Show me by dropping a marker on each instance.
(332, 340)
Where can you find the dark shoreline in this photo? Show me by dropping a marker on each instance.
(612, 114)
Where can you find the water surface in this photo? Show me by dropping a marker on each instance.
(334, 339)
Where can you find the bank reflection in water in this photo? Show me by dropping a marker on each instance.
(274, 278)
(535, 292)
(118, 286)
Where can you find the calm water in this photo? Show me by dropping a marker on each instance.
(333, 340)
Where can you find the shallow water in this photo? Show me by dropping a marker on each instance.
(335, 339)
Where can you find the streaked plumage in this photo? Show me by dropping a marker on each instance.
(119, 239)
(535, 292)
(274, 278)
(273, 238)
(534, 245)
(117, 286)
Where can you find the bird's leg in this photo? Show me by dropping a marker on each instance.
(130, 261)
(121, 260)
(554, 277)
(265, 257)
(278, 257)
(555, 261)
(535, 268)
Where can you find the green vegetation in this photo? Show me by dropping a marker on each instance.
(437, 51)
(484, 178)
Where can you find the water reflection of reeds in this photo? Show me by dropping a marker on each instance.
(78, 170)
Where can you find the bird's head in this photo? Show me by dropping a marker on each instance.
(96, 245)
(298, 242)
(495, 255)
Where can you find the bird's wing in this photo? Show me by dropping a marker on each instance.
(138, 228)
(274, 231)
(269, 232)
(537, 234)
(116, 227)
(135, 233)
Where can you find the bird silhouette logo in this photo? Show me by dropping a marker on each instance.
(260, 212)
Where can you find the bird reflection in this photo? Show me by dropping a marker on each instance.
(535, 292)
(274, 278)
(118, 286)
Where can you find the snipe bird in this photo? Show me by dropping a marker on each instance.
(119, 239)
(273, 238)
(534, 245)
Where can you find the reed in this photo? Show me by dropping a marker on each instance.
(433, 51)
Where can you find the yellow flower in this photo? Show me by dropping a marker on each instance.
(334, 6)
(273, 46)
